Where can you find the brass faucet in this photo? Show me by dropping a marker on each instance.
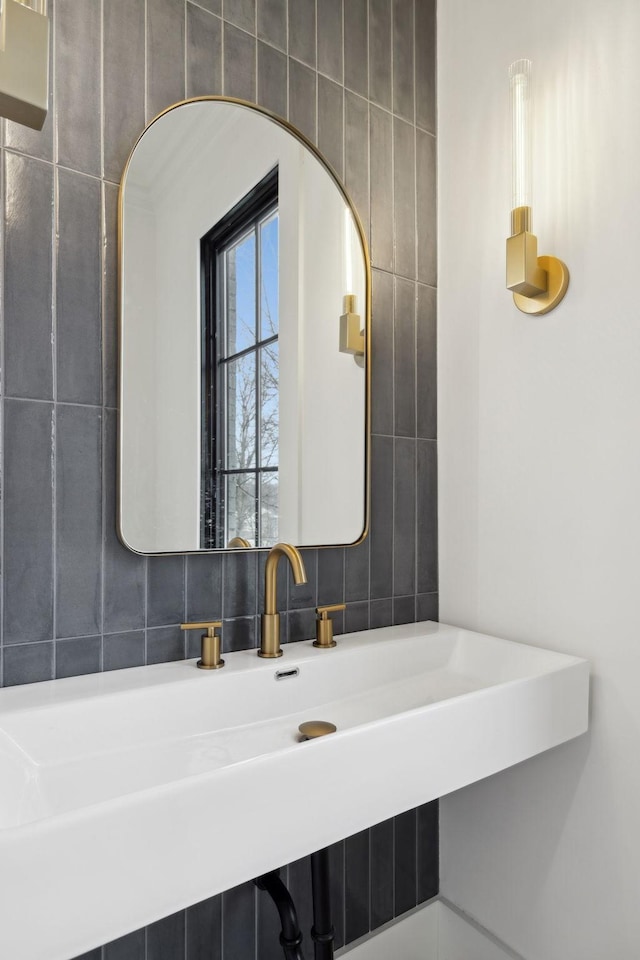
(270, 633)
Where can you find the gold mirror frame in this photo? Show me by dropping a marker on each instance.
(290, 128)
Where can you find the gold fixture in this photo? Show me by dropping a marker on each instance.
(324, 625)
(312, 729)
(24, 61)
(238, 542)
(351, 332)
(210, 643)
(538, 283)
(270, 633)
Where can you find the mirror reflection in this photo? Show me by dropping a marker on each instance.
(243, 369)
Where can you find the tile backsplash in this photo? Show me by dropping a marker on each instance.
(358, 78)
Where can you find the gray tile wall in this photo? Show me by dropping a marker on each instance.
(358, 77)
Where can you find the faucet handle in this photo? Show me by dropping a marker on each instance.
(210, 643)
(324, 625)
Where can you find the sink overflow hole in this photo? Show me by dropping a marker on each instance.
(286, 674)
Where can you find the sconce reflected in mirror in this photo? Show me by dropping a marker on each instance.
(24, 61)
(538, 283)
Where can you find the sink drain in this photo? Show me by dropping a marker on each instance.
(316, 728)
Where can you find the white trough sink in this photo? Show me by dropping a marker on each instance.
(126, 796)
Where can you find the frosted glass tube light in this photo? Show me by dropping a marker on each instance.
(520, 84)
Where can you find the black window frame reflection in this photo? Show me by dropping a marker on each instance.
(248, 214)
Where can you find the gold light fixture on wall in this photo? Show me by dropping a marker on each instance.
(24, 61)
(538, 283)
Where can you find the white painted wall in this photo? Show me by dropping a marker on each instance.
(540, 458)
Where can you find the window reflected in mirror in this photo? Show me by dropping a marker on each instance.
(240, 377)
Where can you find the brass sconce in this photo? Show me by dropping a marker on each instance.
(24, 61)
(351, 333)
(538, 283)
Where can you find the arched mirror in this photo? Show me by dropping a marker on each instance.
(244, 338)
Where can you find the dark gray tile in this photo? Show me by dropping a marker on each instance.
(382, 365)
(241, 634)
(427, 606)
(404, 177)
(204, 587)
(426, 64)
(427, 529)
(239, 64)
(336, 874)
(330, 39)
(272, 22)
(356, 160)
(78, 656)
(28, 521)
(426, 364)
(78, 521)
(110, 295)
(213, 6)
(299, 875)
(124, 571)
(381, 189)
(27, 278)
(304, 594)
(78, 85)
(405, 862)
(356, 46)
(357, 886)
(380, 614)
(204, 930)
(426, 207)
(404, 358)
(356, 572)
(242, 13)
(165, 939)
(356, 617)
(35, 143)
(382, 869)
(404, 610)
(239, 596)
(92, 955)
(381, 516)
(165, 590)
(165, 644)
(428, 853)
(404, 529)
(331, 123)
(403, 57)
(301, 625)
(272, 79)
(79, 289)
(238, 921)
(124, 81)
(121, 650)
(204, 53)
(28, 663)
(302, 98)
(165, 55)
(302, 30)
(331, 575)
(268, 928)
(131, 947)
(380, 35)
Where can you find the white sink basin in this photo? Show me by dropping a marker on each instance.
(126, 796)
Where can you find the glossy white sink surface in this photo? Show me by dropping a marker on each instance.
(126, 796)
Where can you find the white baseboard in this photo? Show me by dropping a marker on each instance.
(436, 930)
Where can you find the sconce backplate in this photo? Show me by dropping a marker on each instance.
(557, 283)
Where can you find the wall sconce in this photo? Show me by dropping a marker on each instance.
(538, 283)
(24, 61)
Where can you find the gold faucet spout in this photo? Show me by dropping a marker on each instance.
(270, 635)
